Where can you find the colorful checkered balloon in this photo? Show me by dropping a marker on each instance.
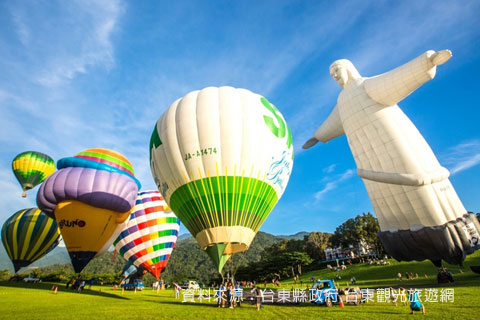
(151, 233)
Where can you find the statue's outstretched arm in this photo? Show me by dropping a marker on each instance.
(393, 86)
(328, 130)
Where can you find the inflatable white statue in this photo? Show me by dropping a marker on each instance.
(419, 212)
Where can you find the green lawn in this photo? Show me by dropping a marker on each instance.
(36, 301)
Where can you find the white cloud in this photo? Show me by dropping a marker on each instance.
(330, 168)
(466, 164)
(11, 195)
(381, 44)
(462, 156)
(333, 184)
(61, 39)
(42, 108)
(21, 29)
(94, 22)
(60, 46)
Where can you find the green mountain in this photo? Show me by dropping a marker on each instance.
(188, 260)
(59, 255)
(184, 236)
(4, 260)
(297, 236)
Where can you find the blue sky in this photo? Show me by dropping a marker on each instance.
(82, 74)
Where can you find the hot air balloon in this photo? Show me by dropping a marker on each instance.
(222, 158)
(130, 273)
(28, 235)
(91, 197)
(31, 168)
(419, 213)
(128, 269)
(150, 234)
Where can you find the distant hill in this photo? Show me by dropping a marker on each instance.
(188, 260)
(4, 260)
(297, 236)
(59, 255)
(184, 236)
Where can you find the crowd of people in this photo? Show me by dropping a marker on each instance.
(409, 276)
(160, 285)
(445, 276)
(77, 284)
(229, 295)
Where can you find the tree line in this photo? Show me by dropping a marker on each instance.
(267, 258)
(288, 258)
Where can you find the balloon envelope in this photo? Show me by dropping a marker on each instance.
(222, 158)
(150, 234)
(91, 197)
(31, 168)
(28, 235)
(128, 269)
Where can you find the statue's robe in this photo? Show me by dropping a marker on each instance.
(419, 212)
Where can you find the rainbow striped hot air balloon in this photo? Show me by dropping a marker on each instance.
(150, 235)
(31, 168)
(91, 197)
(222, 158)
(28, 235)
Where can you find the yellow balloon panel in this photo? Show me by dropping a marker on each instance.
(86, 229)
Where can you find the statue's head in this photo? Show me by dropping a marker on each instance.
(343, 71)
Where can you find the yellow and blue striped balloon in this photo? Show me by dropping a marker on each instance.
(28, 235)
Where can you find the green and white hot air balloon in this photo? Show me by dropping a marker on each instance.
(222, 158)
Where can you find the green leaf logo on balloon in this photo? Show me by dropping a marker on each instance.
(280, 130)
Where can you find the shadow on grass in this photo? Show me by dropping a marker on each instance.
(214, 305)
(45, 286)
(211, 305)
(333, 310)
(386, 275)
(467, 279)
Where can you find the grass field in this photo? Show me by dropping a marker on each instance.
(36, 301)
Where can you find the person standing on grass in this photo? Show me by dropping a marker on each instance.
(393, 296)
(219, 295)
(230, 295)
(238, 294)
(177, 290)
(80, 287)
(258, 296)
(403, 296)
